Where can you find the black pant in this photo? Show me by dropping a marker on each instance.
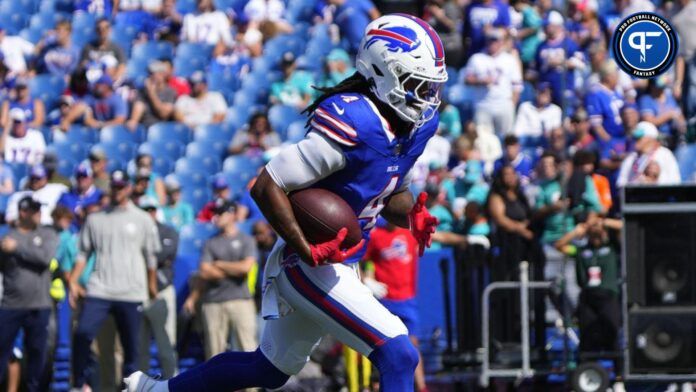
(35, 325)
(128, 317)
(599, 314)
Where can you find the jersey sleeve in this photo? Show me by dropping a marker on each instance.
(332, 119)
(300, 165)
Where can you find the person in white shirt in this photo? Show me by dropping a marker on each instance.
(20, 143)
(640, 164)
(15, 49)
(43, 192)
(495, 80)
(258, 11)
(207, 26)
(202, 106)
(537, 118)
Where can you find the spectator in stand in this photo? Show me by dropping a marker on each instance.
(223, 289)
(125, 238)
(468, 187)
(221, 190)
(583, 26)
(480, 18)
(155, 187)
(33, 108)
(259, 12)
(43, 192)
(26, 304)
(352, 17)
(82, 194)
(159, 313)
(177, 213)
(683, 21)
(97, 162)
(391, 273)
(514, 157)
(50, 163)
(155, 101)
(56, 116)
(556, 60)
(495, 78)
(580, 132)
(436, 207)
(15, 50)
(588, 191)
(202, 107)
(625, 85)
(613, 154)
(102, 8)
(296, 87)
(660, 108)
(648, 149)
(557, 143)
(445, 16)
(536, 118)
(58, 56)
(141, 184)
(207, 26)
(67, 240)
(20, 143)
(103, 54)
(168, 22)
(450, 124)
(102, 108)
(603, 104)
(514, 241)
(338, 68)
(530, 32)
(180, 85)
(255, 138)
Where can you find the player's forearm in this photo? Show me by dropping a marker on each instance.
(397, 209)
(275, 206)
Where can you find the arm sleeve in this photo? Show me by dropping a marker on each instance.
(408, 178)
(301, 165)
(206, 255)
(152, 244)
(250, 249)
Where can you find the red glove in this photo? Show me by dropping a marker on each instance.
(422, 223)
(330, 252)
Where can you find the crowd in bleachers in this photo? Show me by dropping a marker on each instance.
(188, 99)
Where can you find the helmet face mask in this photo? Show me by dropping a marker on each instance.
(404, 59)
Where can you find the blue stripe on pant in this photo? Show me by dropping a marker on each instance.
(34, 323)
(94, 311)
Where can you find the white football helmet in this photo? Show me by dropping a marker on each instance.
(404, 58)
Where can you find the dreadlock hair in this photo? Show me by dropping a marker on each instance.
(355, 83)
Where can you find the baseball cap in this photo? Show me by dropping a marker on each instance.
(83, 170)
(28, 203)
(156, 66)
(17, 114)
(287, 59)
(224, 205)
(338, 55)
(97, 154)
(219, 183)
(495, 34)
(171, 183)
(66, 99)
(38, 172)
(197, 77)
(119, 178)
(554, 18)
(645, 129)
(21, 82)
(105, 79)
(147, 202)
(50, 160)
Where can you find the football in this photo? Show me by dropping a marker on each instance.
(321, 214)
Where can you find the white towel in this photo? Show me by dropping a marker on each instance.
(273, 305)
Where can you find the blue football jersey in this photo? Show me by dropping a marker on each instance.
(376, 159)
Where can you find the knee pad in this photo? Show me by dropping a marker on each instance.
(397, 355)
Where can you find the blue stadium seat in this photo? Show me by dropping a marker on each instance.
(153, 50)
(452, 76)
(136, 71)
(166, 131)
(25, 7)
(46, 20)
(162, 165)
(281, 116)
(123, 36)
(67, 166)
(186, 6)
(197, 164)
(205, 148)
(76, 134)
(218, 132)
(32, 34)
(185, 66)
(13, 23)
(224, 82)
(118, 134)
(83, 19)
(531, 142)
(83, 28)
(191, 49)
(118, 153)
(236, 183)
(195, 234)
(686, 158)
(295, 132)
(71, 150)
(48, 88)
(170, 149)
(242, 166)
(19, 171)
(193, 180)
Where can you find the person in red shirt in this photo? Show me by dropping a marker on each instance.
(391, 274)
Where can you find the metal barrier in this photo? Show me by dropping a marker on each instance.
(524, 285)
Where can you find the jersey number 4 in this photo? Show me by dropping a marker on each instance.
(375, 205)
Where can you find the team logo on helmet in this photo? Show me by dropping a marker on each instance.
(398, 39)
